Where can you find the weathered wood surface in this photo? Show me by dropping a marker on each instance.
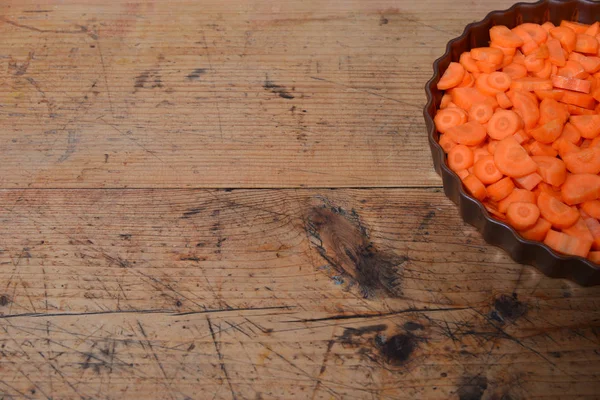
(219, 93)
(118, 281)
(278, 294)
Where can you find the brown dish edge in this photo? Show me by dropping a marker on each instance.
(495, 232)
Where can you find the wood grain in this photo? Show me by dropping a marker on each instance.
(259, 294)
(219, 94)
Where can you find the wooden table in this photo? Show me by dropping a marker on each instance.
(235, 200)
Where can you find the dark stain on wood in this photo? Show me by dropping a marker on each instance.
(383, 20)
(472, 388)
(191, 212)
(125, 236)
(277, 89)
(195, 74)
(508, 308)
(4, 300)
(412, 326)
(349, 334)
(344, 243)
(148, 80)
(397, 349)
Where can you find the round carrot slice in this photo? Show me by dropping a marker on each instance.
(556, 212)
(515, 71)
(460, 157)
(452, 77)
(503, 123)
(499, 80)
(485, 169)
(487, 54)
(586, 161)
(512, 159)
(548, 132)
(566, 37)
(471, 133)
(468, 62)
(481, 112)
(522, 216)
(448, 118)
(505, 37)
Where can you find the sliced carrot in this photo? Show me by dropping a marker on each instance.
(556, 212)
(583, 100)
(566, 244)
(552, 170)
(565, 36)
(481, 112)
(480, 152)
(533, 63)
(508, 52)
(452, 76)
(537, 33)
(543, 187)
(482, 83)
(594, 256)
(487, 67)
(581, 187)
(572, 69)
(586, 161)
(555, 53)
(467, 96)
(503, 36)
(593, 30)
(587, 125)
(529, 45)
(517, 195)
(521, 136)
(519, 58)
(468, 62)
(487, 54)
(571, 133)
(460, 157)
(503, 100)
(526, 108)
(541, 149)
(537, 231)
(512, 159)
(586, 44)
(515, 71)
(500, 81)
(574, 26)
(491, 147)
(577, 85)
(446, 99)
(471, 133)
(552, 109)
(547, 26)
(549, 94)
(579, 230)
(564, 147)
(522, 216)
(485, 169)
(531, 83)
(475, 187)
(468, 80)
(575, 110)
(548, 132)
(590, 64)
(528, 182)
(501, 189)
(449, 118)
(595, 142)
(491, 207)
(592, 208)
(586, 143)
(462, 174)
(503, 123)
(546, 72)
(594, 228)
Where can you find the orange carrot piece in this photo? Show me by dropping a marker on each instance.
(501, 189)
(460, 157)
(580, 187)
(591, 207)
(576, 27)
(503, 36)
(529, 45)
(587, 125)
(556, 212)
(564, 147)
(579, 230)
(446, 143)
(500, 81)
(446, 99)
(508, 52)
(503, 100)
(468, 62)
(566, 244)
(552, 170)
(586, 44)
(577, 85)
(486, 171)
(572, 69)
(449, 118)
(594, 228)
(537, 33)
(549, 94)
(522, 216)
(586, 161)
(547, 26)
(503, 123)
(452, 76)
(548, 132)
(491, 207)
(594, 256)
(465, 97)
(481, 112)
(571, 133)
(521, 136)
(528, 182)
(475, 187)
(531, 83)
(483, 85)
(565, 36)
(471, 133)
(590, 64)
(515, 71)
(541, 149)
(517, 195)
(480, 152)
(575, 110)
(487, 67)
(593, 30)
(527, 108)
(546, 72)
(552, 109)
(533, 63)
(512, 159)
(462, 174)
(468, 80)
(538, 231)
(555, 53)
(488, 54)
(583, 100)
(543, 187)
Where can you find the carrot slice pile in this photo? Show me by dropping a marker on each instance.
(520, 123)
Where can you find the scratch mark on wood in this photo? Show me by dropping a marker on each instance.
(221, 361)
